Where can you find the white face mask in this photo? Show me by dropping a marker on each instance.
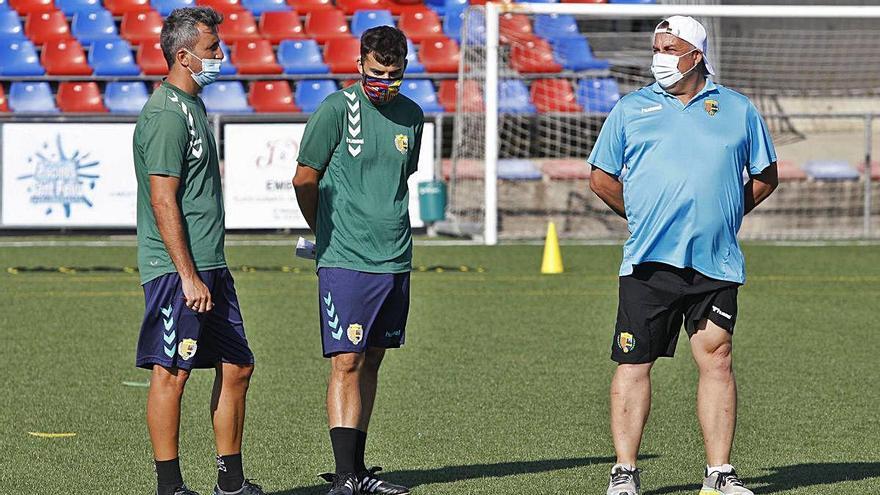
(665, 68)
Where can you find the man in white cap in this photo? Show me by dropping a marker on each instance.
(683, 142)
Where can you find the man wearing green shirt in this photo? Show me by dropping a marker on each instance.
(358, 150)
(192, 317)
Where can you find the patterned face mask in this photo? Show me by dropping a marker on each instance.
(381, 90)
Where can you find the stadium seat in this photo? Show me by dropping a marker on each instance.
(239, 26)
(366, 19)
(46, 26)
(305, 6)
(575, 54)
(279, 26)
(413, 66)
(80, 97)
(788, 170)
(64, 58)
(632, 1)
(10, 26)
(301, 57)
(31, 97)
(113, 58)
(515, 28)
(583, 1)
(453, 22)
(25, 7)
(227, 68)
(472, 96)
(352, 7)
(122, 7)
(259, 7)
(125, 96)
(464, 169)
(255, 57)
(310, 93)
(422, 92)
(554, 95)
(556, 26)
(71, 7)
(421, 26)
(324, 25)
(438, 6)
(342, 54)
(151, 60)
(141, 27)
(164, 7)
(223, 6)
(439, 55)
(518, 169)
(399, 7)
(4, 103)
(830, 170)
(566, 169)
(875, 170)
(19, 58)
(98, 25)
(441, 7)
(513, 97)
(226, 97)
(271, 97)
(533, 56)
(598, 95)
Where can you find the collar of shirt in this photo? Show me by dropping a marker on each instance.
(709, 87)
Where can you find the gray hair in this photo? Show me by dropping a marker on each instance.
(180, 29)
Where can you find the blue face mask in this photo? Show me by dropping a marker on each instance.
(209, 73)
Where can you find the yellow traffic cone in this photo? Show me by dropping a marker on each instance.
(552, 262)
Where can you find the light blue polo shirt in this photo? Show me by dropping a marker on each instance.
(683, 180)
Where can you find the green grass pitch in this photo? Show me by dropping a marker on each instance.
(501, 388)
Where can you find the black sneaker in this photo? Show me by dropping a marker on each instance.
(369, 483)
(247, 488)
(341, 484)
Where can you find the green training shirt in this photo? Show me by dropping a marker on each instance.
(173, 137)
(367, 152)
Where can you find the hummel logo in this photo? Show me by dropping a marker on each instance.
(655, 108)
(389, 335)
(354, 126)
(197, 152)
(331, 313)
(351, 96)
(354, 150)
(169, 335)
(354, 131)
(354, 107)
(354, 119)
(722, 313)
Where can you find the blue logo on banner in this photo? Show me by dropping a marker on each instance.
(59, 178)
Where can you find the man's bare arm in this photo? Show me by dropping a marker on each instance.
(759, 187)
(163, 199)
(305, 183)
(609, 190)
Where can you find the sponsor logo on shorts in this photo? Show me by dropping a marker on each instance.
(626, 341)
(717, 310)
(391, 335)
(187, 349)
(355, 333)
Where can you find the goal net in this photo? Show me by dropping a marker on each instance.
(536, 82)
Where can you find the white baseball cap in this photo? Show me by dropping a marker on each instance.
(688, 29)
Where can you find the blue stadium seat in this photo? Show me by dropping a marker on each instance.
(449, 5)
(310, 93)
(31, 97)
(227, 68)
(366, 19)
(226, 97)
(97, 25)
(518, 170)
(10, 26)
(301, 57)
(4, 6)
(19, 58)
(125, 96)
(71, 7)
(422, 92)
(830, 170)
(513, 97)
(413, 66)
(260, 6)
(453, 20)
(575, 54)
(113, 58)
(598, 95)
(164, 7)
(556, 26)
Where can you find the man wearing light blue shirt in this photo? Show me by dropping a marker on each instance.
(670, 159)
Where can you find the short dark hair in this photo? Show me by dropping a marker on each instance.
(180, 29)
(387, 44)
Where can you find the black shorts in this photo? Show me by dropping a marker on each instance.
(654, 302)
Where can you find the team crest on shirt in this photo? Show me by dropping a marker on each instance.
(626, 341)
(711, 107)
(355, 333)
(187, 349)
(401, 142)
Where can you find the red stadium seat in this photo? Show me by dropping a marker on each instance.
(399, 7)
(271, 96)
(255, 57)
(341, 55)
(239, 26)
(4, 106)
(584, 1)
(352, 6)
(64, 58)
(82, 97)
(151, 59)
(121, 7)
(41, 27)
(472, 96)
(279, 26)
(421, 26)
(554, 95)
(439, 55)
(223, 6)
(533, 56)
(515, 28)
(141, 27)
(25, 7)
(324, 25)
(307, 6)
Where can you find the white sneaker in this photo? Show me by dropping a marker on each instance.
(624, 481)
(716, 483)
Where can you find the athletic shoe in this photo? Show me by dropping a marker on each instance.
(624, 481)
(247, 488)
(717, 483)
(370, 483)
(342, 484)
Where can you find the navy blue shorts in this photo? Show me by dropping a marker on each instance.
(360, 310)
(174, 336)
